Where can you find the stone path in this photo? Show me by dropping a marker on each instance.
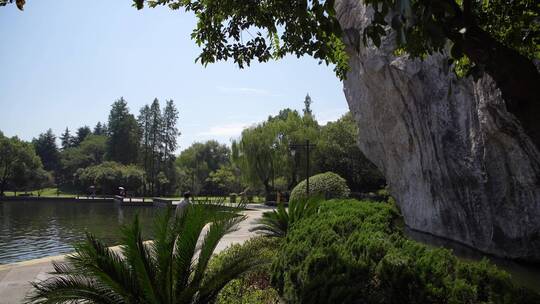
(15, 278)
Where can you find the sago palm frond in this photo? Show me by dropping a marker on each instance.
(171, 269)
(277, 222)
(74, 289)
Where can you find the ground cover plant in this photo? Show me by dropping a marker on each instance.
(355, 252)
(254, 286)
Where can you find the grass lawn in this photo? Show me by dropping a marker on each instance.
(256, 199)
(42, 192)
(52, 192)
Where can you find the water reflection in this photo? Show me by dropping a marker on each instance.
(36, 229)
(524, 274)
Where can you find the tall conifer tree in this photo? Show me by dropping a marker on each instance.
(144, 125)
(82, 133)
(66, 139)
(155, 141)
(47, 150)
(170, 131)
(123, 141)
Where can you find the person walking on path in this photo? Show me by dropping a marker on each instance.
(184, 203)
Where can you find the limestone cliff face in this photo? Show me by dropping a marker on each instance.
(457, 162)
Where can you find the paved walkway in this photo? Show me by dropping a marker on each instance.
(15, 278)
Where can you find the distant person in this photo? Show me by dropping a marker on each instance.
(184, 203)
(92, 191)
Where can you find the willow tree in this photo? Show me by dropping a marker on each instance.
(258, 152)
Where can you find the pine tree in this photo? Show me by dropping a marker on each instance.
(123, 130)
(82, 133)
(99, 129)
(66, 139)
(307, 106)
(47, 150)
(155, 142)
(144, 125)
(105, 129)
(170, 131)
(170, 135)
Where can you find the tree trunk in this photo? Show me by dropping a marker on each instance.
(2, 187)
(267, 189)
(459, 164)
(3, 184)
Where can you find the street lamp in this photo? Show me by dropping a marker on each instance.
(307, 146)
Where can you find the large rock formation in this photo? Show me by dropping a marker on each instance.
(458, 163)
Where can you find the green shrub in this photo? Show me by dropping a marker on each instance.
(355, 252)
(327, 185)
(277, 222)
(253, 287)
(108, 176)
(232, 197)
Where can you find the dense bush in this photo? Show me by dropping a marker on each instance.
(327, 185)
(108, 176)
(355, 252)
(254, 286)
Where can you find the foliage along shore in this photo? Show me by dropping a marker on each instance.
(353, 251)
(139, 154)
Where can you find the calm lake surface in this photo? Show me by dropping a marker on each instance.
(36, 229)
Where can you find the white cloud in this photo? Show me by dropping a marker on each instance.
(234, 129)
(328, 116)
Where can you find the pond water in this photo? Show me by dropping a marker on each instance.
(36, 229)
(527, 275)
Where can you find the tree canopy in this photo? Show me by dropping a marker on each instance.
(263, 153)
(46, 148)
(138, 154)
(499, 37)
(199, 160)
(20, 167)
(123, 146)
(158, 141)
(337, 151)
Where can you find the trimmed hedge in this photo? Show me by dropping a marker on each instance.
(355, 252)
(326, 185)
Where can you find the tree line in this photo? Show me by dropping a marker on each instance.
(262, 162)
(129, 151)
(138, 153)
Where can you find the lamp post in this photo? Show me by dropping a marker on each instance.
(307, 146)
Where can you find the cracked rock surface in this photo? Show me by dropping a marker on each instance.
(458, 164)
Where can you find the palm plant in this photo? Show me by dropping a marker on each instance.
(277, 222)
(173, 268)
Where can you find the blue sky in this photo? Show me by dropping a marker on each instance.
(64, 62)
